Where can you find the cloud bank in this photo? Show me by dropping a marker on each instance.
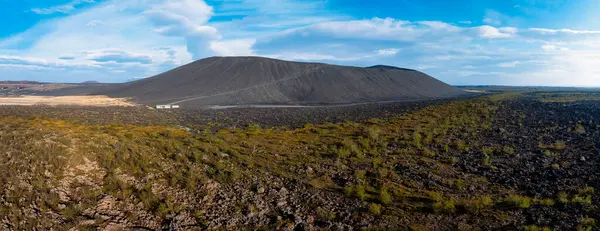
(120, 40)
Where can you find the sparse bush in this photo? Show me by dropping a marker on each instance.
(563, 197)
(360, 175)
(545, 202)
(435, 196)
(460, 185)
(486, 160)
(559, 145)
(417, 140)
(384, 196)
(587, 222)
(579, 129)
(487, 151)
(508, 150)
(535, 228)
(461, 146)
(372, 132)
(375, 208)
(361, 192)
(446, 148)
(519, 201)
(444, 206)
(349, 190)
(428, 152)
(583, 200)
(325, 214)
(452, 160)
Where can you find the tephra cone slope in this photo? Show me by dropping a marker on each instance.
(256, 80)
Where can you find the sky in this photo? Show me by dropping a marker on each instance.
(461, 42)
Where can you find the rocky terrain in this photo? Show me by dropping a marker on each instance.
(518, 160)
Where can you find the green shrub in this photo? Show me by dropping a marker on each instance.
(579, 129)
(444, 206)
(559, 145)
(361, 193)
(360, 175)
(349, 190)
(375, 208)
(487, 151)
(486, 160)
(480, 203)
(461, 146)
(384, 196)
(508, 150)
(519, 201)
(428, 153)
(460, 185)
(417, 140)
(372, 132)
(588, 222)
(325, 214)
(446, 148)
(563, 197)
(452, 160)
(583, 200)
(545, 202)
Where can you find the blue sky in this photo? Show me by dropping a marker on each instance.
(510, 42)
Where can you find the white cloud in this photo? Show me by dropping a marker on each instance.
(509, 64)
(239, 47)
(496, 18)
(564, 31)
(117, 40)
(94, 23)
(491, 21)
(117, 56)
(185, 18)
(387, 51)
(65, 8)
(491, 32)
(552, 47)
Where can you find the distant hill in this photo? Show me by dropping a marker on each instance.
(19, 82)
(90, 82)
(257, 80)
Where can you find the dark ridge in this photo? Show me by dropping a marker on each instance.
(19, 82)
(258, 80)
(90, 82)
(390, 67)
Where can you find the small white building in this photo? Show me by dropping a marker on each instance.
(167, 106)
(163, 106)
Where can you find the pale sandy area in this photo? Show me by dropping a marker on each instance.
(475, 91)
(66, 100)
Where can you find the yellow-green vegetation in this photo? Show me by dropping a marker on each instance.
(519, 201)
(161, 168)
(375, 208)
(566, 97)
(586, 223)
(536, 228)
